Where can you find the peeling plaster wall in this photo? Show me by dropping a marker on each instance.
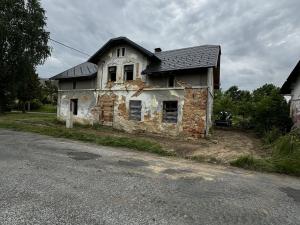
(132, 57)
(86, 102)
(295, 103)
(151, 114)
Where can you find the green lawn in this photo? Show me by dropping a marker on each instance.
(47, 108)
(47, 124)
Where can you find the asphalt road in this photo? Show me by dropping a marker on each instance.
(55, 181)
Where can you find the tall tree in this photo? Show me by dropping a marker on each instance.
(23, 46)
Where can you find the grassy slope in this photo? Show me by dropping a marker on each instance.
(285, 157)
(48, 125)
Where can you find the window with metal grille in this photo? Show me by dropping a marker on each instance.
(135, 108)
(170, 111)
(128, 72)
(112, 73)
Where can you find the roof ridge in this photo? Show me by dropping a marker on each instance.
(188, 48)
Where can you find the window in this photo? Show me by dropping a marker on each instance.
(121, 52)
(170, 111)
(171, 81)
(112, 73)
(74, 106)
(135, 108)
(74, 84)
(128, 72)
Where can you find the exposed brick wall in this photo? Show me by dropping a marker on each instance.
(194, 112)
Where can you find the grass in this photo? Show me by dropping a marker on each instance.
(285, 157)
(47, 108)
(48, 125)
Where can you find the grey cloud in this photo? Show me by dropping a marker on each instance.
(259, 39)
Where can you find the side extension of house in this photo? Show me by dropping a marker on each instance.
(130, 88)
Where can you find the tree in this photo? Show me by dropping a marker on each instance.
(49, 93)
(270, 110)
(23, 46)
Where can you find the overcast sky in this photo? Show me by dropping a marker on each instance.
(260, 40)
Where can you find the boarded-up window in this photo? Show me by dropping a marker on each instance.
(135, 108)
(170, 111)
(128, 72)
(112, 73)
(74, 106)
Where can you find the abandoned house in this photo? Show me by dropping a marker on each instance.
(292, 87)
(130, 88)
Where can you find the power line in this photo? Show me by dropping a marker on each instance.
(74, 49)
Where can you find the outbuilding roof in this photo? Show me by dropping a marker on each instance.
(287, 86)
(185, 59)
(83, 70)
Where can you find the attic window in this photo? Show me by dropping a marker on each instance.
(170, 111)
(128, 72)
(112, 73)
(121, 52)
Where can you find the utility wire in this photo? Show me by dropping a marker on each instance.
(74, 49)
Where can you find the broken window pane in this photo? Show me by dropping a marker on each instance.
(135, 108)
(74, 106)
(128, 72)
(112, 73)
(170, 111)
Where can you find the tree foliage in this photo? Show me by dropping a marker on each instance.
(23, 46)
(265, 109)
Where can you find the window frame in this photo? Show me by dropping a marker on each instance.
(109, 74)
(125, 72)
(138, 107)
(170, 117)
(168, 81)
(73, 103)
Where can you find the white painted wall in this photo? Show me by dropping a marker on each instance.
(295, 103)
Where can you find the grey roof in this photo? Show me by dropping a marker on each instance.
(287, 86)
(83, 70)
(186, 58)
(118, 41)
